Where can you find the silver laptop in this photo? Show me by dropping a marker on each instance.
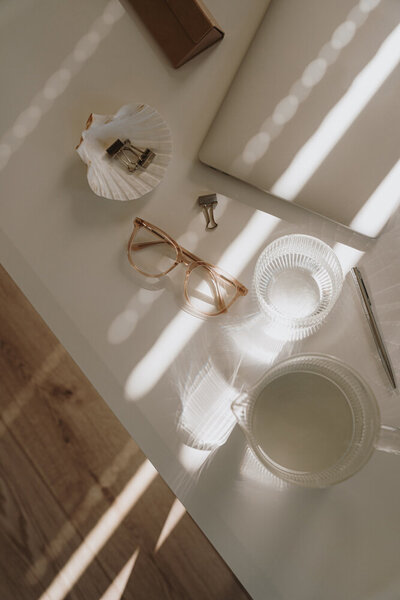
(313, 114)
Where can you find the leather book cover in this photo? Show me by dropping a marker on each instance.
(182, 28)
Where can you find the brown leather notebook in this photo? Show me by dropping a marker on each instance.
(182, 28)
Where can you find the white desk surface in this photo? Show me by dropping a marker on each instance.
(65, 248)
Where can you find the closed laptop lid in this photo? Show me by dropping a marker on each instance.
(313, 113)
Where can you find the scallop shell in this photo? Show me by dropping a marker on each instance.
(145, 127)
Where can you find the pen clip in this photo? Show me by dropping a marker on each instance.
(361, 284)
(367, 306)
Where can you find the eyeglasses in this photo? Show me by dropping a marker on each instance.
(208, 289)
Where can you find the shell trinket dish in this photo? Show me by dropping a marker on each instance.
(144, 128)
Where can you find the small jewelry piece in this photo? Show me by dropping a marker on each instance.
(130, 156)
(207, 203)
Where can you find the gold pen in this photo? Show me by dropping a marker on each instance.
(367, 306)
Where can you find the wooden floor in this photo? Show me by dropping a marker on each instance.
(83, 514)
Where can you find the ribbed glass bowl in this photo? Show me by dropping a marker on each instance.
(297, 281)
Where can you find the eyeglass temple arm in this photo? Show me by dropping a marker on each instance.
(141, 245)
(221, 303)
(242, 289)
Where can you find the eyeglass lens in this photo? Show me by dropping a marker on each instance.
(208, 292)
(152, 254)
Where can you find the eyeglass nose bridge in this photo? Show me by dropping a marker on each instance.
(185, 260)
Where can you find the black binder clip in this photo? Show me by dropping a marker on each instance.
(207, 203)
(131, 157)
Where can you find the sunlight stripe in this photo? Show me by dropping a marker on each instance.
(183, 326)
(381, 205)
(93, 497)
(101, 532)
(57, 83)
(313, 153)
(175, 514)
(28, 392)
(117, 588)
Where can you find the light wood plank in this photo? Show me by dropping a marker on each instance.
(28, 517)
(75, 461)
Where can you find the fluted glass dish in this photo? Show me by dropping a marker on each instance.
(297, 281)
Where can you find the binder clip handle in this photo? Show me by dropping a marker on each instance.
(207, 203)
(130, 156)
